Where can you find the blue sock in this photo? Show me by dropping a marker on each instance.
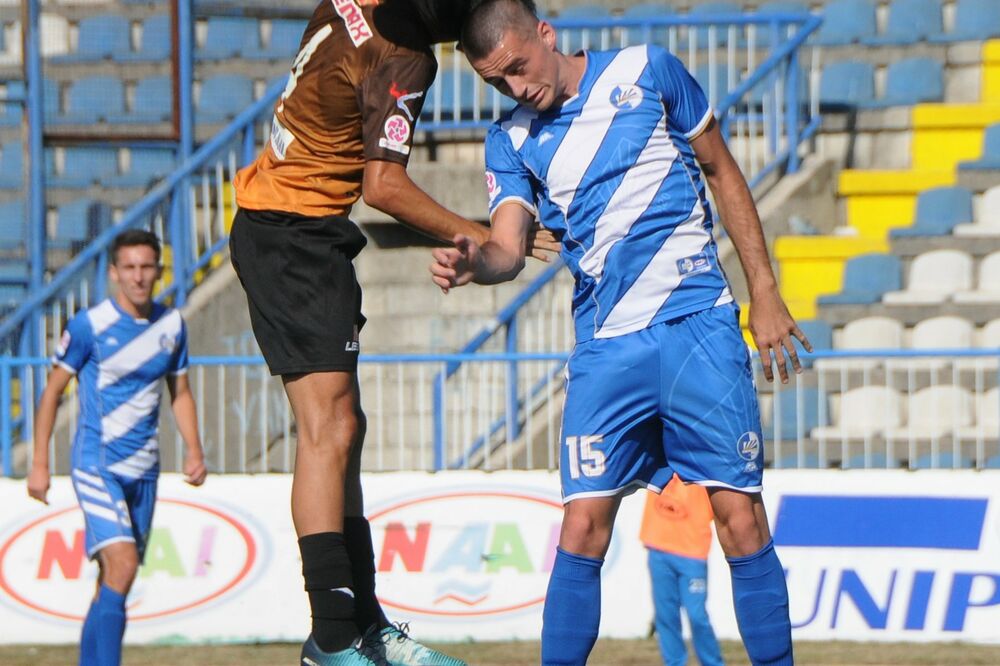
(103, 630)
(572, 611)
(760, 597)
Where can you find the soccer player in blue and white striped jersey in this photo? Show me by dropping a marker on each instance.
(120, 350)
(611, 151)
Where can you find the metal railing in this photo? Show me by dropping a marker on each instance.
(848, 409)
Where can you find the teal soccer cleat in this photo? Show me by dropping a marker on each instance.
(361, 653)
(401, 650)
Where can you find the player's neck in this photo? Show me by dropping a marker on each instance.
(134, 310)
(571, 70)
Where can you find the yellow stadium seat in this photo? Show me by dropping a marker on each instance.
(946, 134)
(877, 201)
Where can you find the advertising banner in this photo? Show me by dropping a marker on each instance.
(869, 555)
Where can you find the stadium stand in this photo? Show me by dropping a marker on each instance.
(84, 166)
(990, 158)
(222, 97)
(154, 42)
(987, 284)
(230, 37)
(912, 81)
(939, 211)
(147, 102)
(105, 36)
(866, 278)
(910, 21)
(93, 100)
(846, 22)
(862, 412)
(933, 277)
(846, 84)
(975, 20)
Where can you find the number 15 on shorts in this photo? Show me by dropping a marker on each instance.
(583, 458)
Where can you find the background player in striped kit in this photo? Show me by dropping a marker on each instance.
(120, 349)
(608, 150)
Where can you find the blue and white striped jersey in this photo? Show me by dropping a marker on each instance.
(612, 173)
(120, 362)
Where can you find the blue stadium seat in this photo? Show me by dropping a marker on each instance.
(12, 225)
(846, 84)
(846, 22)
(100, 37)
(975, 20)
(764, 32)
(866, 278)
(77, 222)
(11, 116)
(85, 166)
(11, 296)
(155, 42)
(230, 37)
(819, 332)
(466, 97)
(878, 460)
(945, 460)
(787, 403)
(14, 272)
(222, 97)
(148, 165)
(992, 463)
(912, 81)
(151, 103)
(644, 10)
(721, 31)
(703, 75)
(910, 21)
(51, 100)
(990, 158)
(791, 461)
(92, 100)
(286, 35)
(571, 40)
(12, 166)
(939, 210)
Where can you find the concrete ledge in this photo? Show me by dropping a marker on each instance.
(978, 313)
(978, 180)
(978, 247)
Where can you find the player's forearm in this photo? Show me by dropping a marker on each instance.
(186, 416)
(497, 264)
(45, 417)
(739, 217)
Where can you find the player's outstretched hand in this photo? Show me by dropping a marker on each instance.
(542, 243)
(773, 328)
(38, 484)
(454, 266)
(194, 470)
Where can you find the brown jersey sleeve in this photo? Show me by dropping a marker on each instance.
(390, 99)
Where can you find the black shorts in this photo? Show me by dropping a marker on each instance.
(304, 298)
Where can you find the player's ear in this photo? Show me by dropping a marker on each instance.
(547, 34)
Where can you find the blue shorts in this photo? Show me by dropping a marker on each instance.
(676, 397)
(115, 508)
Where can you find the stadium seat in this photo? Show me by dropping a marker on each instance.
(786, 413)
(933, 412)
(93, 99)
(990, 158)
(77, 222)
(989, 335)
(638, 35)
(11, 116)
(12, 166)
(100, 37)
(455, 105)
(152, 102)
(12, 225)
(85, 166)
(819, 332)
(716, 88)
(51, 100)
(988, 283)
(809, 460)
(933, 277)
(765, 32)
(975, 20)
(846, 22)
(148, 165)
(992, 463)
(944, 460)
(987, 425)
(846, 84)
(571, 40)
(939, 210)
(154, 44)
(14, 272)
(866, 278)
(912, 81)
(910, 21)
(722, 31)
(865, 333)
(875, 460)
(866, 411)
(230, 37)
(987, 221)
(222, 97)
(945, 331)
(286, 35)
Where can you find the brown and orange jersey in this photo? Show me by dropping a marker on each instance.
(354, 94)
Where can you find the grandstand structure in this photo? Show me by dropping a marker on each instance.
(869, 129)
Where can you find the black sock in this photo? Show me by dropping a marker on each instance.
(368, 611)
(326, 569)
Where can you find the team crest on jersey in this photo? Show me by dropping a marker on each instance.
(397, 133)
(167, 343)
(748, 446)
(357, 27)
(626, 96)
(492, 186)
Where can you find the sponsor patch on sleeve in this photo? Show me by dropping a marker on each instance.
(63, 344)
(396, 134)
(493, 188)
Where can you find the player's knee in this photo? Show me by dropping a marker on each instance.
(739, 533)
(119, 567)
(330, 434)
(585, 533)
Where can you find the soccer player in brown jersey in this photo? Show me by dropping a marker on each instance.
(342, 129)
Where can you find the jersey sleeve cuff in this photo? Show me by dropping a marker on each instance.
(520, 201)
(65, 366)
(177, 373)
(702, 125)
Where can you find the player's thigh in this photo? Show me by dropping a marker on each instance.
(610, 432)
(709, 403)
(140, 499)
(105, 510)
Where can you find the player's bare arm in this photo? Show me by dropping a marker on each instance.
(500, 259)
(771, 324)
(387, 187)
(185, 413)
(45, 419)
